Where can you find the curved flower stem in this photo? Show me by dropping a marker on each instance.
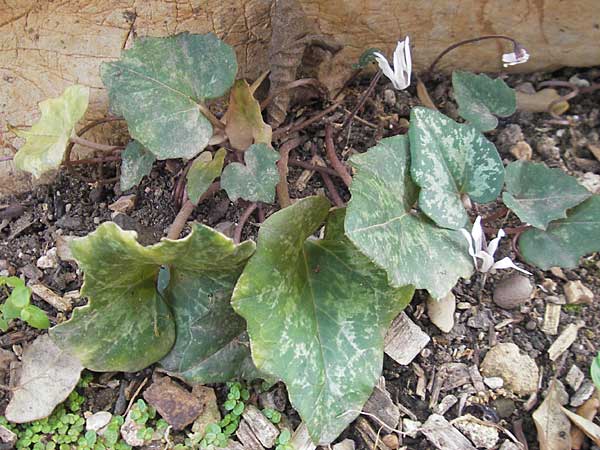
(362, 100)
(237, 235)
(333, 158)
(84, 130)
(292, 85)
(6, 158)
(469, 41)
(186, 210)
(335, 195)
(283, 194)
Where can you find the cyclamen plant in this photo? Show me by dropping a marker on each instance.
(311, 312)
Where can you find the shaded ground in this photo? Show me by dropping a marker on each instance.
(72, 207)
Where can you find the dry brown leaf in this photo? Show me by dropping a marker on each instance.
(245, 125)
(553, 427)
(588, 411)
(540, 101)
(423, 95)
(587, 426)
(47, 378)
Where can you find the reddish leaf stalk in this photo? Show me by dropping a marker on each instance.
(186, 210)
(301, 125)
(309, 166)
(333, 158)
(237, 235)
(335, 196)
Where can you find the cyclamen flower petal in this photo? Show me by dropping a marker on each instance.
(479, 250)
(519, 56)
(400, 74)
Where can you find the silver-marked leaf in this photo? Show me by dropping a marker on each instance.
(128, 324)
(203, 172)
(256, 180)
(211, 344)
(479, 98)
(48, 138)
(136, 164)
(539, 195)
(317, 312)
(450, 159)
(565, 240)
(158, 84)
(382, 225)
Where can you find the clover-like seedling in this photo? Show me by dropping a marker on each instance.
(18, 306)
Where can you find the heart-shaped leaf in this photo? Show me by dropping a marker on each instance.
(381, 223)
(450, 159)
(245, 125)
(565, 240)
(48, 138)
(479, 98)
(158, 84)
(136, 164)
(538, 194)
(203, 172)
(317, 313)
(256, 180)
(128, 324)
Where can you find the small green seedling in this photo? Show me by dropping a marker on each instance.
(18, 306)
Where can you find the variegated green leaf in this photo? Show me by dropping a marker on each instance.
(479, 98)
(48, 138)
(317, 312)
(136, 164)
(256, 180)
(203, 172)
(128, 323)
(158, 84)
(381, 223)
(538, 194)
(448, 160)
(565, 240)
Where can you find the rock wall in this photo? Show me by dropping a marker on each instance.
(47, 45)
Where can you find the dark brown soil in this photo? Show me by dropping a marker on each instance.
(70, 206)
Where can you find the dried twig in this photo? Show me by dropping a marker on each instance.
(333, 158)
(309, 166)
(135, 394)
(302, 124)
(237, 235)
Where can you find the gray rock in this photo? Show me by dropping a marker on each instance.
(582, 394)
(575, 377)
(482, 436)
(513, 291)
(389, 97)
(502, 361)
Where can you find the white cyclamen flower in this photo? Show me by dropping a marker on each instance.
(400, 75)
(478, 249)
(518, 56)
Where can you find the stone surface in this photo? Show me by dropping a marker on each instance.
(582, 394)
(575, 377)
(502, 360)
(577, 293)
(97, 421)
(441, 311)
(444, 436)
(493, 382)
(522, 151)
(176, 405)
(481, 435)
(47, 46)
(513, 291)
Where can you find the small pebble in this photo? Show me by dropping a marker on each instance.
(493, 382)
(522, 151)
(389, 97)
(577, 293)
(531, 325)
(575, 377)
(582, 394)
(513, 291)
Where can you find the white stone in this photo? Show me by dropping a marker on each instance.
(49, 260)
(441, 311)
(97, 421)
(493, 382)
(575, 377)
